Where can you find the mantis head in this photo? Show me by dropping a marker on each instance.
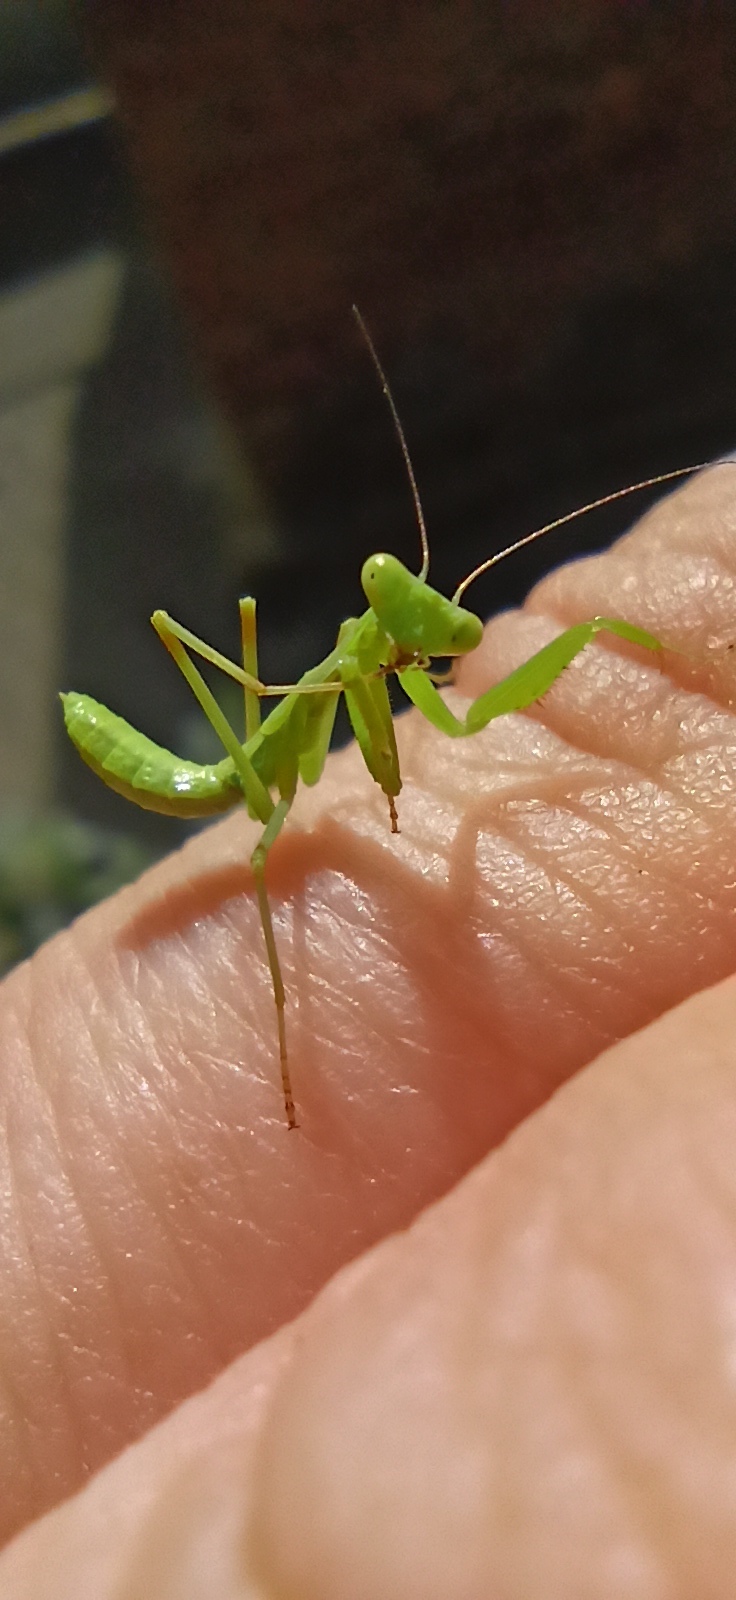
(419, 620)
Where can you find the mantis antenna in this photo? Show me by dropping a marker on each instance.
(570, 516)
(373, 353)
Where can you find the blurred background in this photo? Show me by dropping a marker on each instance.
(534, 207)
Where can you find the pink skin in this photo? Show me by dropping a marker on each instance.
(559, 881)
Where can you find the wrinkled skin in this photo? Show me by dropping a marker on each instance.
(529, 1394)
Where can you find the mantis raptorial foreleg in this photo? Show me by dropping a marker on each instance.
(369, 710)
(521, 688)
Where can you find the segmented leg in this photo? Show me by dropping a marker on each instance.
(524, 686)
(258, 797)
(312, 683)
(258, 863)
(249, 641)
(255, 792)
(168, 628)
(369, 710)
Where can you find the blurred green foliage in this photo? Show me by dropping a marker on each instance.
(52, 866)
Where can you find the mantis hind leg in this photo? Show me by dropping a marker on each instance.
(274, 816)
(255, 792)
(258, 863)
(168, 628)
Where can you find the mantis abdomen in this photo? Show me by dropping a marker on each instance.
(142, 771)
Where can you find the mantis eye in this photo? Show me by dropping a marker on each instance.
(384, 577)
(467, 634)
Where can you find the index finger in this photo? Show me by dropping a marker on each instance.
(560, 879)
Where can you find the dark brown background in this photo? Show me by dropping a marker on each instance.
(533, 204)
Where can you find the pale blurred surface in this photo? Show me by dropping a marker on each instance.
(52, 332)
(120, 487)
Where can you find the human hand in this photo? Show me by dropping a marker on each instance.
(529, 1392)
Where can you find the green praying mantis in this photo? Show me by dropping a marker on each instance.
(407, 625)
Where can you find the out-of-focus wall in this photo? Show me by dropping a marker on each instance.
(53, 331)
